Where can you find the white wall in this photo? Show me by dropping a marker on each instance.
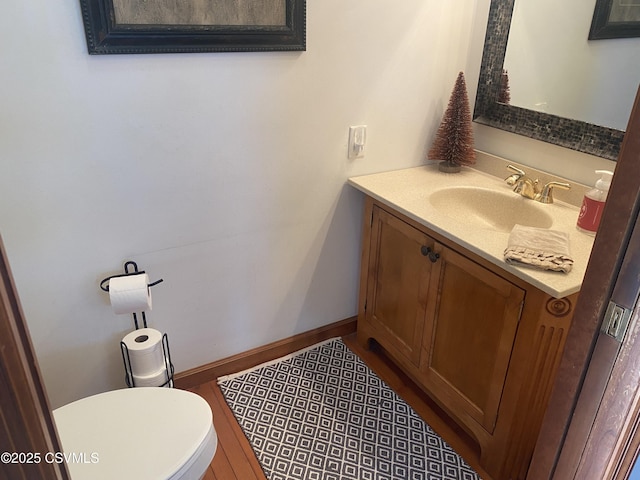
(224, 174)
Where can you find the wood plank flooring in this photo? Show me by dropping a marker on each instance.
(235, 460)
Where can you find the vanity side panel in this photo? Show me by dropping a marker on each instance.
(540, 343)
(362, 333)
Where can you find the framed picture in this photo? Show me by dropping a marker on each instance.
(615, 19)
(181, 26)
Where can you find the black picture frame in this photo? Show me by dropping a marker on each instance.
(105, 36)
(604, 27)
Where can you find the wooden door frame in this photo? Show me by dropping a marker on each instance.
(25, 414)
(613, 434)
(567, 429)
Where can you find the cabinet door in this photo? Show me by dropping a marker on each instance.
(399, 279)
(472, 320)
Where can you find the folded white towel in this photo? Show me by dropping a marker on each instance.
(540, 248)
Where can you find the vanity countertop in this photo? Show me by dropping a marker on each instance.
(408, 191)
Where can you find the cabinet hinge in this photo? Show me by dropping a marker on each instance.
(616, 321)
(365, 305)
(371, 219)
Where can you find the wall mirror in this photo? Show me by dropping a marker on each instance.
(542, 117)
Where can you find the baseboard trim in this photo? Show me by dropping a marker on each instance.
(242, 361)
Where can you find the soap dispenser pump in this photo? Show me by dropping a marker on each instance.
(593, 203)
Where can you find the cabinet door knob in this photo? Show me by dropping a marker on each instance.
(428, 252)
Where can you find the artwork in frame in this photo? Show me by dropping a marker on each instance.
(179, 26)
(615, 19)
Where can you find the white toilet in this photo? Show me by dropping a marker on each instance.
(137, 433)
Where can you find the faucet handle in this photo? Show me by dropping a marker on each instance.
(516, 169)
(512, 179)
(546, 194)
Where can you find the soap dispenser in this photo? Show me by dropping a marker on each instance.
(593, 203)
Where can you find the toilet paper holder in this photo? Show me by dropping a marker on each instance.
(126, 359)
(104, 285)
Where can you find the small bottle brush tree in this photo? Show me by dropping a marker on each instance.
(504, 95)
(454, 139)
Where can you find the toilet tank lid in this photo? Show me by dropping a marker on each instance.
(147, 432)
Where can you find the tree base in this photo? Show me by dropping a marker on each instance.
(448, 167)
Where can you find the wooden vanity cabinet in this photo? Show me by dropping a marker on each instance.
(483, 344)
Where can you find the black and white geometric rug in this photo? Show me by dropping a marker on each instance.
(322, 414)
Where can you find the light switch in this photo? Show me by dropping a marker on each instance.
(357, 141)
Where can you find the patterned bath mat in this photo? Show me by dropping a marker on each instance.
(322, 414)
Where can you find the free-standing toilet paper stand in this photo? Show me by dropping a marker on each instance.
(104, 285)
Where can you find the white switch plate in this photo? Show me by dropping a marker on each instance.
(357, 141)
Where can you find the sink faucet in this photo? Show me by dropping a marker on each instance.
(525, 186)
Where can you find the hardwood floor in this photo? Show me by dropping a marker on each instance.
(235, 459)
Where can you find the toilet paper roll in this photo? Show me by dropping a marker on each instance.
(145, 352)
(130, 293)
(156, 379)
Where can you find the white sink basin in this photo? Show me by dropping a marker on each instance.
(489, 209)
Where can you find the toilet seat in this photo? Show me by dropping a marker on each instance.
(137, 433)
